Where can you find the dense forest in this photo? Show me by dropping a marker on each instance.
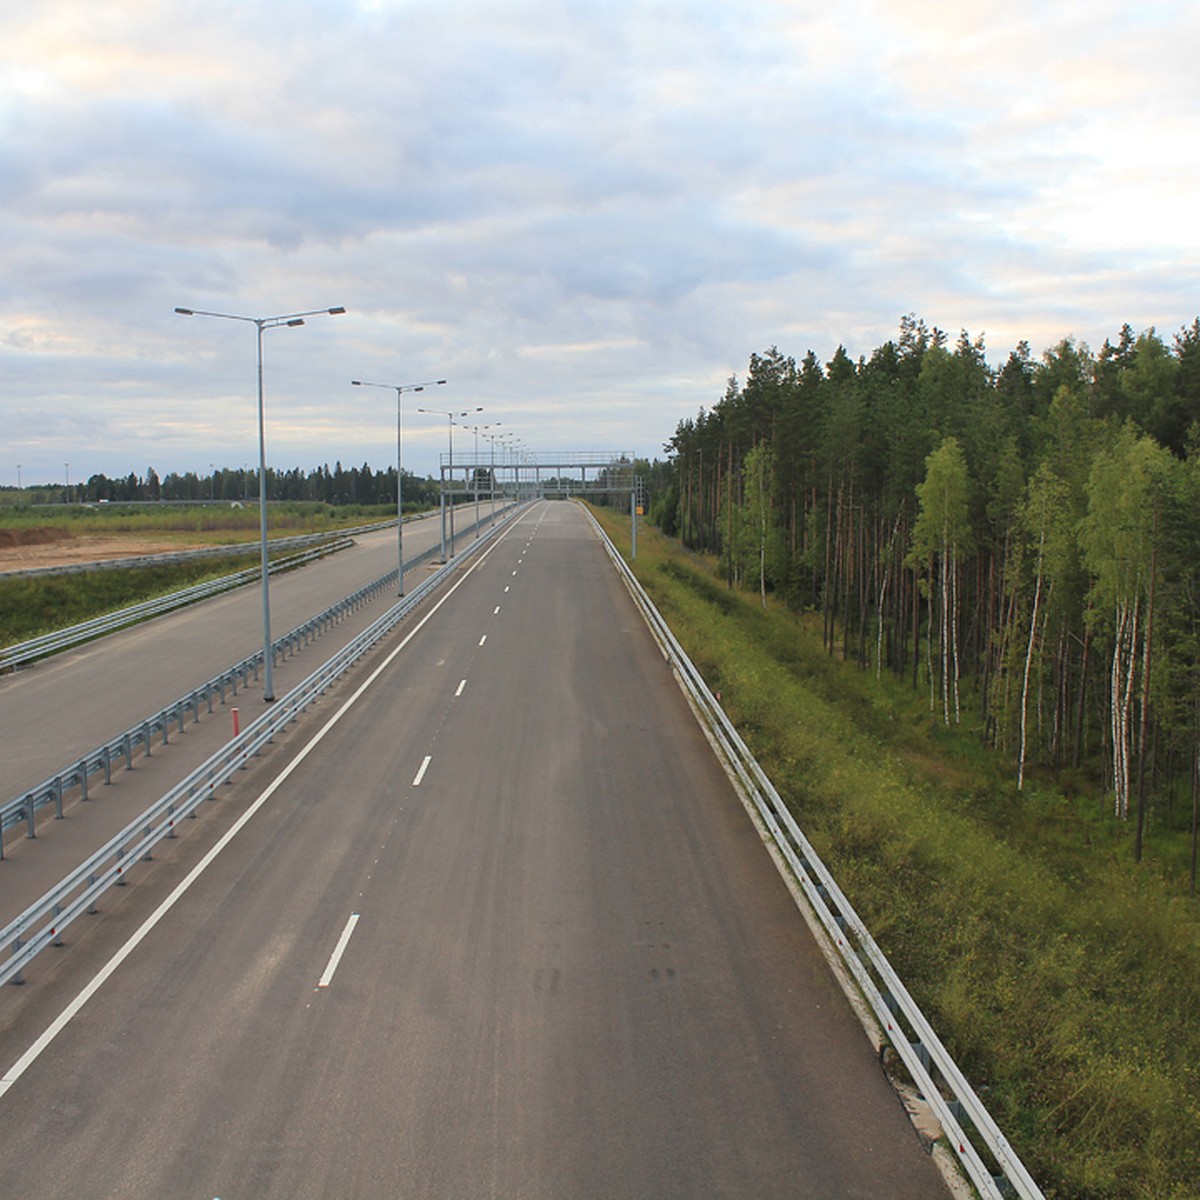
(1023, 542)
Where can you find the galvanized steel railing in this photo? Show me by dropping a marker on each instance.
(119, 751)
(44, 922)
(938, 1078)
(171, 557)
(20, 653)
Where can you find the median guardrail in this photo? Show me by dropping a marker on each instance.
(172, 557)
(20, 653)
(963, 1118)
(120, 750)
(44, 922)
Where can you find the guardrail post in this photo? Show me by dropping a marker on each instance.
(58, 793)
(83, 774)
(16, 979)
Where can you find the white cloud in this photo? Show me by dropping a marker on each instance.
(585, 215)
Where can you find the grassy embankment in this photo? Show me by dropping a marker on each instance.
(1064, 978)
(40, 604)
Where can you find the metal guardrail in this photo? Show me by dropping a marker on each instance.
(941, 1083)
(20, 653)
(43, 923)
(119, 751)
(233, 550)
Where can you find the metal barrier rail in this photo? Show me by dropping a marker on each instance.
(23, 809)
(937, 1076)
(299, 542)
(63, 639)
(43, 923)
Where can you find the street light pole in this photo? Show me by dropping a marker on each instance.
(399, 389)
(437, 412)
(261, 323)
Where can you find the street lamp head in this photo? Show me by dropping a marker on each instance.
(333, 312)
(356, 383)
(187, 312)
(295, 321)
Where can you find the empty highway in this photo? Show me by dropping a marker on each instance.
(489, 922)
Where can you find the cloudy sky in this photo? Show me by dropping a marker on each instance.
(585, 214)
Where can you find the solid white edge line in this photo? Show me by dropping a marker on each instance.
(338, 951)
(93, 986)
(421, 773)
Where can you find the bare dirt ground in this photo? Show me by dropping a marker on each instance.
(27, 549)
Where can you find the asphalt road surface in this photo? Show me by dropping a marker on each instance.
(491, 922)
(56, 710)
(62, 707)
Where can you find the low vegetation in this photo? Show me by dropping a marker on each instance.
(38, 604)
(1064, 977)
(197, 525)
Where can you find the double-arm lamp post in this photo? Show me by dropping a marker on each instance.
(437, 412)
(399, 389)
(261, 323)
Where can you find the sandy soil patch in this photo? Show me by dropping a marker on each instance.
(64, 550)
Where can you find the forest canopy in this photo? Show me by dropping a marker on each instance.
(1024, 539)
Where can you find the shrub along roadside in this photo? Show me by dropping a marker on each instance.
(1065, 981)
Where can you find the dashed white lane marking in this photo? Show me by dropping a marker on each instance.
(462, 685)
(483, 639)
(97, 981)
(496, 611)
(338, 951)
(421, 773)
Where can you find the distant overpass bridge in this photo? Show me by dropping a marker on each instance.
(484, 479)
(524, 474)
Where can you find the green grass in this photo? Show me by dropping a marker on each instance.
(35, 605)
(1064, 978)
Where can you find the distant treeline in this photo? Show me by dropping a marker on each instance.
(1025, 539)
(339, 486)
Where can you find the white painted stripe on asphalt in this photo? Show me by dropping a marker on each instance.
(483, 639)
(421, 773)
(338, 951)
(462, 685)
(496, 611)
(69, 1013)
